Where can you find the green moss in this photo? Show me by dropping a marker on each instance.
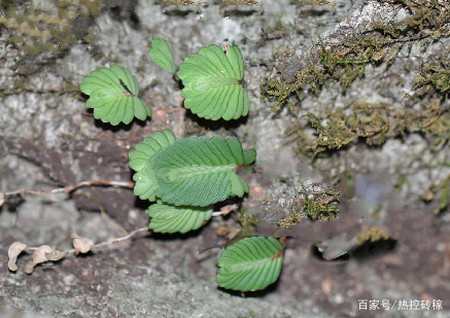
(317, 201)
(346, 60)
(315, 2)
(318, 211)
(441, 193)
(372, 235)
(444, 197)
(34, 30)
(247, 221)
(373, 123)
(434, 76)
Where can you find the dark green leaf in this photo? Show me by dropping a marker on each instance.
(250, 264)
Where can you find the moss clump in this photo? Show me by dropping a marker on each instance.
(315, 2)
(374, 123)
(441, 193)
(34, 30)
(241, 2)
(434, 76)
(372, 235)
(314, 200)
(346, 60)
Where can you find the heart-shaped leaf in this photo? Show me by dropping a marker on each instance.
(213, 81)
(113, 95)
(250, 264)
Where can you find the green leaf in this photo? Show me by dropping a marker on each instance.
(141, 161)
(113, 95)
(249, 156)
(238, 186)
(199, 171)
(167, 218)
(212, 82)
(250, 264)
(161, 54)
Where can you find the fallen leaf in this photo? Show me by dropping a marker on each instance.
(82, 245)
(13, 252)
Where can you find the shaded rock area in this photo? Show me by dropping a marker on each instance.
(350, 97)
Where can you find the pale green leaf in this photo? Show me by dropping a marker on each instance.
(198, 171)
(141, 161)
(167, 218)
(162, 55)
(113, 95)
(250, 264)
(213, 81)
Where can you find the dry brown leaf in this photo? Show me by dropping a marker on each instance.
(13, 252)
(40, 254)
(82, 245)
(29, 267)
(55, 255)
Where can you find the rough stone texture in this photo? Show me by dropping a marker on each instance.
(48, 139)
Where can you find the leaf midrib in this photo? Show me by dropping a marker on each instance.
(198, 170)
(250, 265)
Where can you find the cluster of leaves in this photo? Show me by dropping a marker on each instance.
(212, 79)
(113, 95)
(187, 176)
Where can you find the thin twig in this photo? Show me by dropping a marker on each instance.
(120, 239)
(227, 209)
(69, 189)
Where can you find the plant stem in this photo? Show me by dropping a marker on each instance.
(69, 189)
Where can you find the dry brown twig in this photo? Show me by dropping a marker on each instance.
(69, 189)
(46, 253)
(82, 245)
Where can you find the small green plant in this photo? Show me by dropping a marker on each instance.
(196, 171)
(250, 264)
(213, 83)
(113, 95)
(182, 178)
(187, 176)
